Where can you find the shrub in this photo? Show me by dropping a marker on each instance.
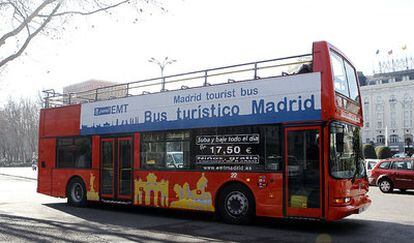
(383, 152)
(369, 151)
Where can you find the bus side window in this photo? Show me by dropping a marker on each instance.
(165, 150)
(153, 155)
(74, 152)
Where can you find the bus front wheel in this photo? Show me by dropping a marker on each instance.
(76, 192)
(236, 204)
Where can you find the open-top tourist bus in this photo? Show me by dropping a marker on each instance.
(275, 138)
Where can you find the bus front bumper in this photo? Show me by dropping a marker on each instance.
(339, 212)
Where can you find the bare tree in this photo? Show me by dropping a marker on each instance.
(18, 131)
(22, 20)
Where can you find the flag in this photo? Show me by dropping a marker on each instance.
(377, 52)
(404, 47)
(390, 52)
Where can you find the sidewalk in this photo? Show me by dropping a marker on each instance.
(23, 172)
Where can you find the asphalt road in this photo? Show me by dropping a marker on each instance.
(28, 216)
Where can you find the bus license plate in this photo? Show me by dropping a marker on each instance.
(362, 209)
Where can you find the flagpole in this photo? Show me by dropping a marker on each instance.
(404, 48)
(378, 60)
(390, 63)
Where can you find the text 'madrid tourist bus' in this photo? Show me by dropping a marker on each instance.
(275, 138)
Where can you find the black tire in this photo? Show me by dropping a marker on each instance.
(76, 192)
(236, 204)
(403, 190)
(385, 185)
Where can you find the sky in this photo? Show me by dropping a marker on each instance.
(202, 34)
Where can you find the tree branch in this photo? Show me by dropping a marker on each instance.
(30, 37)
(25, 22)
(23, 16)
(89, 13)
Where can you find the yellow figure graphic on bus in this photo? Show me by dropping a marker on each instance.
(92, 195)
(143, 191)
(198, 199)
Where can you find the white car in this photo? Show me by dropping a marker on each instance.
(399, 155)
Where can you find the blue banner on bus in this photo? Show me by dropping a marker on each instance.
(264, 101)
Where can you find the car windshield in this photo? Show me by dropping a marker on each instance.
(371, 164)
(345, 152)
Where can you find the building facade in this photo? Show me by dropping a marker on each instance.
(387, 100)
(86, 91)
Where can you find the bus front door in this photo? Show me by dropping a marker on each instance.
(303, 196)
(116, 168)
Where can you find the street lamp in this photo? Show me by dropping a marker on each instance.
(162, 66)
(406, 105)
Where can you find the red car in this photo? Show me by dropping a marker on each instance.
(393, 174)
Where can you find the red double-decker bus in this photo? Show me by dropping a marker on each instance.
(275, 138)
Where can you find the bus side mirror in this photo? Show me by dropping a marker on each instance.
(339, 138)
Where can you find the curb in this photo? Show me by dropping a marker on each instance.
(22, 177)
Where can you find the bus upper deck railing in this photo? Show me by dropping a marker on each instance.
(234, 73)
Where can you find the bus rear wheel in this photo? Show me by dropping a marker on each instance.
(76, 193)
(236, 204)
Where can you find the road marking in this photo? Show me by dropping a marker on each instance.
(22, 177)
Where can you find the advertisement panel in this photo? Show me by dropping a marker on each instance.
(264, 101)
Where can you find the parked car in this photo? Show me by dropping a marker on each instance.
(393, 174)
(369, 165)
(399, 155)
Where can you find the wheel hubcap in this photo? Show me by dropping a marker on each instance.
(236, 204)
(77, 192)
(385, 186)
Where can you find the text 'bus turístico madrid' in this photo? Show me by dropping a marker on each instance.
(275, 138)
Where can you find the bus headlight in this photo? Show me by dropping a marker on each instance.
(342, 200)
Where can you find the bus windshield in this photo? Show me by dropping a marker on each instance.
(345, 81)
(345, 153)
